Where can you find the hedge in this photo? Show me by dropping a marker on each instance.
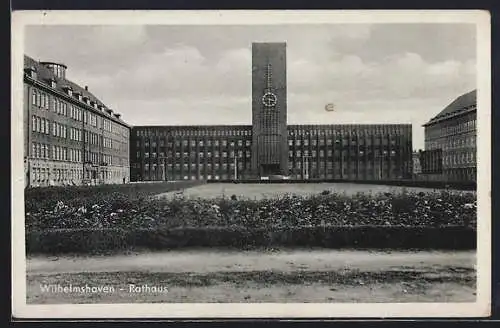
(44, 197)
(287, 211)
(58, 241)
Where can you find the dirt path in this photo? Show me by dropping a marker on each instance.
(252, 276)
(225, 261)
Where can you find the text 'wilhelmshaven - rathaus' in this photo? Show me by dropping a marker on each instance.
(269, 146)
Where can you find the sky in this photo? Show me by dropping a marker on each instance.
(171, 74)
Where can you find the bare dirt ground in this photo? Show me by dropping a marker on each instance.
(315, 275)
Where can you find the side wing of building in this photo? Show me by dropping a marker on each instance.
(70, 137)
(451, 136)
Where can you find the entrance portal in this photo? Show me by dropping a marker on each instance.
(269, 169)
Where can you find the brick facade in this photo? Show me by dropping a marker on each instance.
(354, 152)
(453, 131)
(70, 137)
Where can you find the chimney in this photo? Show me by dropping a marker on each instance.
(86, 88)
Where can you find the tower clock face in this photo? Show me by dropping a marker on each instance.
(269, 99)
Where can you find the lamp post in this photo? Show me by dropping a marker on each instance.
(305, 166)
(235, 167)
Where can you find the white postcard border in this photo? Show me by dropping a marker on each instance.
(258, 310)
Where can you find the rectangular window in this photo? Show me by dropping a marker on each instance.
(33, 98)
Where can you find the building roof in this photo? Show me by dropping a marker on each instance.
(458, 106)
(45, 75)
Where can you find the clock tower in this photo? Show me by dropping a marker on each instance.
(269, 105)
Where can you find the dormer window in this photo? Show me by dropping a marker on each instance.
(52, 83)
(78, 96)
(95, 105)
(68, 90)
(31, 72)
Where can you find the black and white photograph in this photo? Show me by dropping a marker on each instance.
(251, 164)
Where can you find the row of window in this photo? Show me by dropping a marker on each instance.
(160, 170)
(59, 130)
(291, 142)
(192, 133)
(42, 100)
(40, 124)
(107, 142)
(451, 143)
(100, 158)
(335, 130)
(185, 166)
(247, 154)
(440, 130)
(75, 134)
(460, 158)
(330, 153)
(76, 113)
(60, 153)
(107, 126)
(94, 138)
(193, 143)
(247, 165)
(330, 142)
(40, 150)
(177, 175)
(454, 143)
(43, 175)
(352, 166)
(216, 154)
(362, 131)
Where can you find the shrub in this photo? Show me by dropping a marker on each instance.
(105, 240)
(117, 210)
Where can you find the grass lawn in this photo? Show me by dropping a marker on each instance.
(259, 191)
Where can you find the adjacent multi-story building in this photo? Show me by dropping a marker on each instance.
(417, 167)
(70, 136)
(269, 146)
(431, 165)
(453, 131)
